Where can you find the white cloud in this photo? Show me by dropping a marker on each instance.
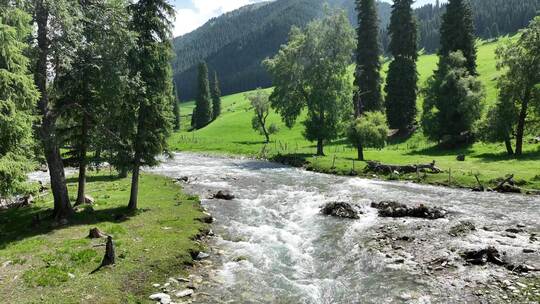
(190, 19)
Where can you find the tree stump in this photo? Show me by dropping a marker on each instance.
(109, 258)
(95, 233)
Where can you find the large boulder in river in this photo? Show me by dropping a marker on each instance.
(224, 195)
(395, 209)
(341, 209)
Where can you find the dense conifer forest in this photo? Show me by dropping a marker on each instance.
(235, 44)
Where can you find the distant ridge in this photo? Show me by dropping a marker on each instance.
(235, 43)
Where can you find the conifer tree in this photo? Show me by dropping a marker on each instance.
(93, 83)
(457, 32)
(203, 103)
(54, 20)
(401, 82)
(368, 64)
(149, 120)
(18, 97)
(216, 98)
(176, 109)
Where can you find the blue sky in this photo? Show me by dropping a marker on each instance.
(191, 14)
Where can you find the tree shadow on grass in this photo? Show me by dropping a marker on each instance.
(251, 143)
(438, 151)
(21, 223)
(502, 156)
(95, 178)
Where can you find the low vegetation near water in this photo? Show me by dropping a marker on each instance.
(231, 133)
(40, 263)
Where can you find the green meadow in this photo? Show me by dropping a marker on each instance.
(43, 263)
(231, 133)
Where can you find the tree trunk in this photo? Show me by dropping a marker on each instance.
(62, 205)
(81, 194)
(508, 145)
(360, 152)
(521, 124)
(133, 199)
(320, 147)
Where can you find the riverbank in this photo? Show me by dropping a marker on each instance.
(43, 263)
(273, 244)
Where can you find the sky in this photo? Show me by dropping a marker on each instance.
(192, 14)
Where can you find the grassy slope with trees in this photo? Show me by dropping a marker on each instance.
(232, 134)
(151, 245)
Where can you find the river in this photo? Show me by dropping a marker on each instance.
(275, 246)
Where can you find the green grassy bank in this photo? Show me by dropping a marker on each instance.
(40, 263)
(231, 133)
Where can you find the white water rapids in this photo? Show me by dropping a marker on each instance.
(277, 248)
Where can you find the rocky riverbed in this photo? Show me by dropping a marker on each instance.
(272, 244)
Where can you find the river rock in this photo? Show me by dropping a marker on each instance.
(184, 293)
(224, 195)
(161, 297)
(341, 209)
(183, 179)
(484, 256)
(202, 256)
(395, 209)
(514, 230)
(462, 228)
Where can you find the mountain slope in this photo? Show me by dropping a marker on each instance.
(232, 133)
(235, 43)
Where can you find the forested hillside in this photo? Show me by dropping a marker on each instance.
(235, 44)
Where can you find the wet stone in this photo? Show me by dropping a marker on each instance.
(395, 209)
(464, 227)
(341, 209)
(224, 195)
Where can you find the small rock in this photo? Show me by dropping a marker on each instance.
(202, 256)
(156, 285)
(224, 195)
(462, 228)
(182, 279)
(183, 179)
(173, 281)
(509, 235)
(71, 275)
(184, 293)
(527, 250)
(514, 230)
(6, 264)
(160, 296)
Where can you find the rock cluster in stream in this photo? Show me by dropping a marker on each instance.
(395, 209)
(341, 209)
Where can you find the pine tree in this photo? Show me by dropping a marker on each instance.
(149, 105)
(203, 103)
(216, 98)
(452, 102)
(52, 49)
(18, 97)
(457, 32)
(401, 82)
(93, 83)
(368, 64)
(176, 109)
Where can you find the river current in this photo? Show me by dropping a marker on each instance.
(275, 246)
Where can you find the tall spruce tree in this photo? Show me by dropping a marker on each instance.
(176, 109)
(457, 32)
(150, 104)
(56, 31)
(368, 64)
(18, 97)
(401, 82)
(216, 98)
(93, 83)
(203, 103)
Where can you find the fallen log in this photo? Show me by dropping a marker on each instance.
(378, 167)
(507, 185)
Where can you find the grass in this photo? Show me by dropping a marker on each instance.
(231, 133)
(48, 264)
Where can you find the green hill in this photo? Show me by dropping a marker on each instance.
(232, 134)
(235, 43)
